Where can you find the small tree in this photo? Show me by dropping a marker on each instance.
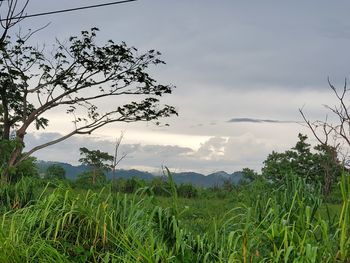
(187, 190)
(333, 134)
(56, 171)
(96, 161)
(27, 168)
(315, 168)
(249, 175)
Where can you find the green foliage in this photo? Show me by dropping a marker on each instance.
(249, 175)
(55, 171)
(228, 185)
(158, 186)
(15, 196)
(258, 223)
(187, 191)
(88, 178)
(80, 67)
(1, 119)
(27, 168)
(321, 167)
(6, 148)
(130, 185)
(280, 225)
(344, 220)
(161, 187)
(96, 160)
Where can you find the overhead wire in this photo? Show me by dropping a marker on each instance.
(72, 9)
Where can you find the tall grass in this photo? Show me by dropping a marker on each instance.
(344, 220)
(283, 225)
(13, 196)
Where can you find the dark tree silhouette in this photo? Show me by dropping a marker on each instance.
(333, 134)
(75, 78)
(11, 13)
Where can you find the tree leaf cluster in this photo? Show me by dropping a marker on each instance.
(317, 166)
(56, 171)
(98, 162)
(76, 76)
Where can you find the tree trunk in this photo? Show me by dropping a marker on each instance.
(6, 121)
(330, 173)
(94, 176)
(14, 157)
(327, 182)
(5, 176)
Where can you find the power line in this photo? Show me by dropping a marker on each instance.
(72, 9)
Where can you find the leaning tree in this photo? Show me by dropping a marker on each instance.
(75, 76)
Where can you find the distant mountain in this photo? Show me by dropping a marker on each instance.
(236, 177)
(131, 173)
(190, 178)
(71, 170)
(214, 179)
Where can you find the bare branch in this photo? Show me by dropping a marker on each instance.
(75, 77)
(14, 15)
(340, 131)
(117, 159)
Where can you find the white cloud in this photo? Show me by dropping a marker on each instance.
(217, 153)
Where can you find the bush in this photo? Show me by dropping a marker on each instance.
(13, 196)
(161, 187)
(55, 171)
(133, 184)
(26, 168)
(130, 185)
(187, 191)
(86, 179)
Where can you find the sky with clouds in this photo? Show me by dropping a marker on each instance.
(242, 70)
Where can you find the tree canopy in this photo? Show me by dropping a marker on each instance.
(76, 76)
(320, 166)
(55, 171)
(97, 161)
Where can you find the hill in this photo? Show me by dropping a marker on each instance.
(198, 179)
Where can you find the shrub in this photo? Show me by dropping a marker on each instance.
(87, 179)
(161, 187)
(187, 191)
(129, 185)
(13, 196)
(133, 184)
(55, 171)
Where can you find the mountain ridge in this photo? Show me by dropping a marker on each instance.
(197, 179)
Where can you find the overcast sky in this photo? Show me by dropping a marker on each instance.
(242, 69)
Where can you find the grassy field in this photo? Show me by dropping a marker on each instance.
(258, 222)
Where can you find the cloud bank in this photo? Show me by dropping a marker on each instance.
(215, 154)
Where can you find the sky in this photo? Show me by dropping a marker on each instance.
(242, 69)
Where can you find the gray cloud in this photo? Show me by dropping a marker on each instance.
(248, 59)
(243, 45)
(217, 153)
(252, 120)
